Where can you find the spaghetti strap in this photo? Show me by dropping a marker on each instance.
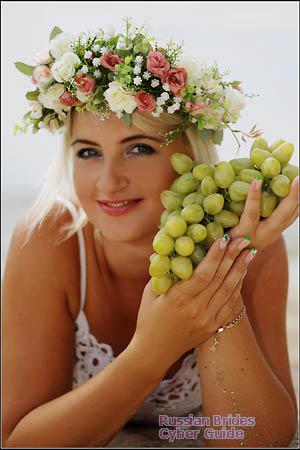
(82, 252)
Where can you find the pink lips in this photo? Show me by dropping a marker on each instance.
(118, 210)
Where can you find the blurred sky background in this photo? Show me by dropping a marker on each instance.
(256, 41)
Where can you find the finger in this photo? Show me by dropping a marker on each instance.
(203, 273)
(251, 214)
(230, 257)
(230, 282)
(226, 313)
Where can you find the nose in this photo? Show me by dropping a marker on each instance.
(111, 179)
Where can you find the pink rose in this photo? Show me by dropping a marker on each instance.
(145, 101)
(109, 60)
(157, 64)
(85, 83)
(43, 57)
(67, 99)
(176, 79)
(41, 74)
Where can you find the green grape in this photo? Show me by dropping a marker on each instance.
(163, 244)
(159, 266)
(283, 153)
(226, 218)
(258, 155)
(197, 255)
(182, 267)
(276, 144)
(187, 183)
(240, 164)
(268, 203)
(290, 171)
(162, 284)
(175, 213)
(152, 256)
(237, 207)
(237, 178)
(184, 246)
(203, 170)
(213, 203)
(181, 163)
(174, 185)
(208, 186)
(270, 167)
(248, 175)
(163, 218)
(238, 191)
(280, 185)
(176, 226)
(171, 200)
(194, 197)
(261, 143)
(192, 213)
(224, 174)
(197, 232)
(214, 231)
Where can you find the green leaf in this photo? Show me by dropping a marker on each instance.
(127, 119)
(218, 136)
(24, 68)
(32, 95)
(205, 134)
(54, 33)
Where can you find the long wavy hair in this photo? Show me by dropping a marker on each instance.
(59, 181)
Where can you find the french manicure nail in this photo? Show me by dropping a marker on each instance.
(250, 255)
(246, 241)
(224, 240)
(258, 183)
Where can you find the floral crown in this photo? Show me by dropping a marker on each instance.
(103, 71)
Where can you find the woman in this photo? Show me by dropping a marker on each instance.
(104, 349)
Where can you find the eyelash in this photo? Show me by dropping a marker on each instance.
(81, 152)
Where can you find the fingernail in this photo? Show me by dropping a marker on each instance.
(246, 241)
(258, 182)
(224, 240)
(250, 255)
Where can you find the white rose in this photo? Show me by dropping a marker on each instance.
(234, 100)
(118, 99)
(36, 109)
(64, 68)
(50, 98)
(192, 66)
(61, 44)
(42, 57)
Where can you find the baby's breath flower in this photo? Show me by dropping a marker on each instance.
(155, 83)
(137, 69)
(84, 69)
(139, 59)
(170, 109)
(165, 96)
(137, 81)
(104, 50)
(96, 48)
(96, 62)
(88, 54)
(166, 87)
(97, 73)
(146, 75)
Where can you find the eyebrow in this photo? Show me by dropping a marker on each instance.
(123, 141)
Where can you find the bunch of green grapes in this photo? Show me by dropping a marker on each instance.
(206, 200)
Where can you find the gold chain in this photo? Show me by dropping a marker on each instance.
(230, 325)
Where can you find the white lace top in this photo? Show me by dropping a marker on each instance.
(177, 396)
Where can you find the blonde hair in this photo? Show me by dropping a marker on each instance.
(59, 180)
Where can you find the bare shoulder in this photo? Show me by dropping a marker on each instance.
(38, 328)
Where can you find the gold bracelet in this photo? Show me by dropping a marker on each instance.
(230, 325)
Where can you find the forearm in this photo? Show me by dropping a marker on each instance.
(235, 379)
(93, 413)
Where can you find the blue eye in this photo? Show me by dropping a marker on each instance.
(87, 153)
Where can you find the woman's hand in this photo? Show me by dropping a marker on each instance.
(192, 310)
(265, 232)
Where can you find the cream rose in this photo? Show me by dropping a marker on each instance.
(64, 68)
(50, 98)
(61, 44)
(118, 99)
(234, 101)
